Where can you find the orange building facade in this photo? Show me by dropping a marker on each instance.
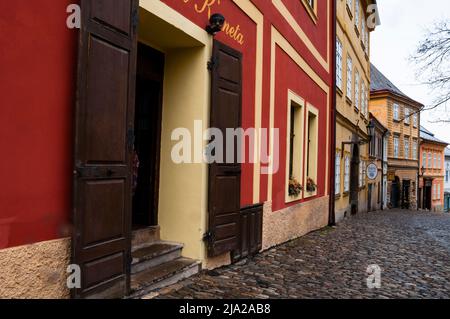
(432, 168)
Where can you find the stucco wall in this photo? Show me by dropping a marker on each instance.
(293, 222)
(35, 271)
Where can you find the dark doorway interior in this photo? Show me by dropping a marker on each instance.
(406, 188)
(148, 112)
(354, 179)
(427, 193)
(395, 192)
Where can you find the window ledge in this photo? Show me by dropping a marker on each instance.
(357, 31)
(349, 101)
(356, 110)
(349, 11)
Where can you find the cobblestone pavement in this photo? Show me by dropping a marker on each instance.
(412, 249)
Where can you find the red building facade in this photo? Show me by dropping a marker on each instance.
(276, 60)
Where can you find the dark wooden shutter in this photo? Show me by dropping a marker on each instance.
(103, 141)
(225, 179)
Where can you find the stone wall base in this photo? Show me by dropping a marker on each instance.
(35, 271)
(293, 222)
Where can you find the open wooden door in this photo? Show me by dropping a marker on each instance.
(225, 179)
(103, 144)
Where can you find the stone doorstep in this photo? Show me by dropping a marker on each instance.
(163, 275)
(145, 236)
(154, 255)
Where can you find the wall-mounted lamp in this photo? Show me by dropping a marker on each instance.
(216, 23)
(371, 130)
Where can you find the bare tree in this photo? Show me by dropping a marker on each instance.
(433, 60)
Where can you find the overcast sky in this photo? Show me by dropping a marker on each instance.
(403, 25)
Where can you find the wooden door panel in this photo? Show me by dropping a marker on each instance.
(104, 269)
(225, 178)
(114, 13)
(106, 102)
(104, 120)
(104, 211)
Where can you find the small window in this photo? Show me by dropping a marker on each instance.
(294, 172)
(424, 160)
(357, 96)
(439, 161)
(407, 116)
(396, 146)
(435, 161)
(312, 147)
(430, 160)
(337, 173)
(439, 191)
(407, 154)
(396, 112)
(357, 15)
(349, 77)
(415, 120)
(339, 57)
(347, 174)
(415, 144)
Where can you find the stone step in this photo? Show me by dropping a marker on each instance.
(163, 275)
(144, 237)
(154, 255)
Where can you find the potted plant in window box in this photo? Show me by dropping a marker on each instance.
(295, 188)
(311, 186)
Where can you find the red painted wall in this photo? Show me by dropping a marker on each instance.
(37, 77)
(37, 85)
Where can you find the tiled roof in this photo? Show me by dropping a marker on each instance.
(447, 152)
(427, 135)
(380, 82)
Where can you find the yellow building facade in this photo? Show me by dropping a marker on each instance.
(401, 115)
(352, 99)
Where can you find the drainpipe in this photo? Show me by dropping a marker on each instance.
(332, 217)
(382, 169)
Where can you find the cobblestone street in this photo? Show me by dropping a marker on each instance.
(412, 249)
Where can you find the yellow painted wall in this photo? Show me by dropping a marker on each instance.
(352, 46)
(183, 187)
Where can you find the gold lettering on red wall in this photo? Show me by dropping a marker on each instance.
(207, 6)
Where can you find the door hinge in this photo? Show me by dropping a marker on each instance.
(135, 19)
(212, 63)
(209, 237)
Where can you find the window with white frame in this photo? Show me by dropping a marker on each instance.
(439, 162)
(435, 161)
(347, 174)
(349, 77)
(407, 118)
(430, 160)
(396, 112)
(357, 14)
(406, 145)
(366, 44)
(337, 173)
(339, 57)
(434, 191)
(439, 191)
(414, 149)
(363, 98)
(363, 29)
(396, 146)
(424, 160)
(357, 90)
(415, 120)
